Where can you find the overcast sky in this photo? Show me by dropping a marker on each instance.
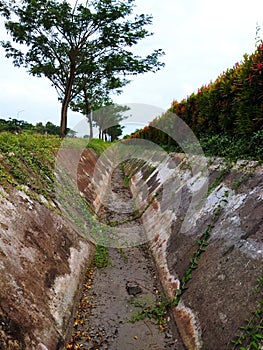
(201, 39)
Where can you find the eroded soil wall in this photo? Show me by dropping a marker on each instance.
(43, 259)
(221, 290)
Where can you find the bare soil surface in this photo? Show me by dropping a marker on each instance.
(109, 297)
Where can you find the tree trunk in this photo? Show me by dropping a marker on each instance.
(90, 125)
(63, 121)
(88, 114)
(66, 101)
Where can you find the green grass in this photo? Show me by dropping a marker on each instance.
(230, 147)
(101, 257)
(99, 146)
(28, 160)
(233, 147)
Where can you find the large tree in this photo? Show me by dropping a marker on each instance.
(77, 45)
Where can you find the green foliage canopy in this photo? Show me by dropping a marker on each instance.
(86, 47)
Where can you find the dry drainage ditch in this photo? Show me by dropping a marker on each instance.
(111, 295)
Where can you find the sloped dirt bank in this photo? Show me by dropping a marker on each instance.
(216, 253)
(43, 261)
(108, 305)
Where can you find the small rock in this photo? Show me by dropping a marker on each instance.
(41, 347)
(168, 335)
(133, 288)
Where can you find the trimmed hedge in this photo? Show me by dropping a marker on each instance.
(232, 105)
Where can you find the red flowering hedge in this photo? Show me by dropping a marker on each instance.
(231, 105)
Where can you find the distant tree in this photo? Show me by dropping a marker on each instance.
(3, 125)
(114, 132)
(52, 129)
(71, 133)
(40, 129)
(90, 100)
(109, 117)
(87, 43)
(17, 126)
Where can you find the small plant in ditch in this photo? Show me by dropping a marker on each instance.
(123, 254)
(157, 311)
(248, 173)
(126, 181)
(250, 336)
(223, 173)
(101, 257)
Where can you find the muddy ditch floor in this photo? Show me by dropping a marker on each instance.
(110, 296)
